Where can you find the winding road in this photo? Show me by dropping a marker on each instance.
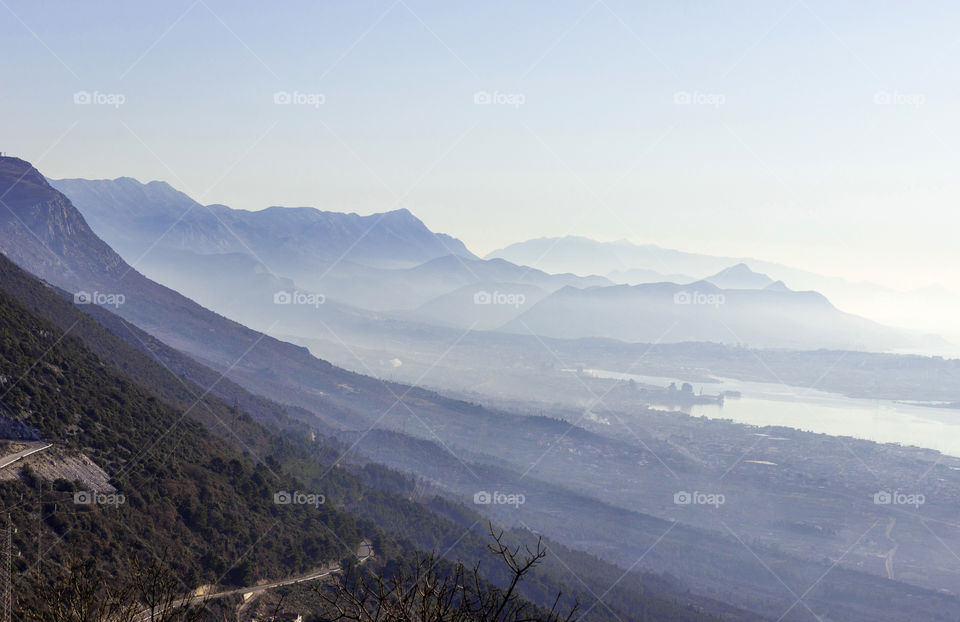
(9, 459)
(364, 552)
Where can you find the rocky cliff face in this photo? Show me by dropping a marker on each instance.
(41, 229)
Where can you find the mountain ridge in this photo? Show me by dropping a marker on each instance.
(307, 232)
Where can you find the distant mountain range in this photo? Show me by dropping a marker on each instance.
(581, 255)
(391, 267)
(735, 305)
(388, 261)
(624, 262)
(701, 311)
(636, 276)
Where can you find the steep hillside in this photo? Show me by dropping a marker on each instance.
(175, 488)
(371, 492)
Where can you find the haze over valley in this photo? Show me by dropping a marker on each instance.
(346, 312)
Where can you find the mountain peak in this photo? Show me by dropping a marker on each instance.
(402, 211)
(739, 276)
(23, 176)
(740, 268)
(402, 215)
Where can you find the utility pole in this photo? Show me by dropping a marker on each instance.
(6, 611)
(39, 529)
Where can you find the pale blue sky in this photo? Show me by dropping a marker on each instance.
(820, 134)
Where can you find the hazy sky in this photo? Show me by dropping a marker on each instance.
(819, 134)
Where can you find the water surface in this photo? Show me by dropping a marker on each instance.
(763, 403)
